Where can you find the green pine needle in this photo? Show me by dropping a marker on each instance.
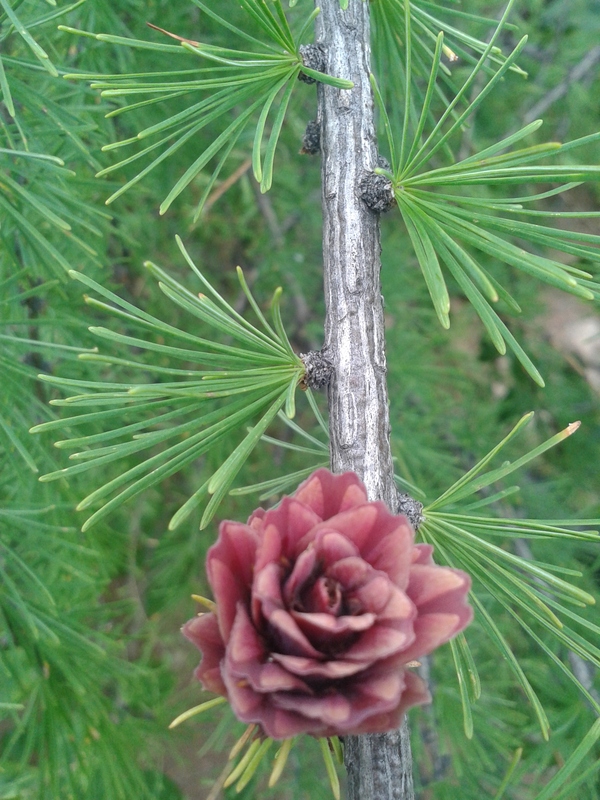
(178, 417)
(449, 227)
(523, 587)
(334, 781)
(258, 81)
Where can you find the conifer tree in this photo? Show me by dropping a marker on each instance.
(174, 391)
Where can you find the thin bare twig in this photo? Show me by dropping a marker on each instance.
(227, 184)
(579, 71)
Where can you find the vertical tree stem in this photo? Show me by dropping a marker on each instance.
(379, 766)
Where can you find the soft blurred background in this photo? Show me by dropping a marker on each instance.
(92, 664)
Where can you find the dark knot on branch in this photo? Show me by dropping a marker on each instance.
(377, 191)
(311, 141)
(314, 57)
(411, 508)
(318, 370)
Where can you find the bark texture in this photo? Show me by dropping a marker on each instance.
(379, 766)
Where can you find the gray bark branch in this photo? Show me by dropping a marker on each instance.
(379, 766)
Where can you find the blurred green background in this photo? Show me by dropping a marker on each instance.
(92, 664)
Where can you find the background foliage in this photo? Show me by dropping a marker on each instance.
(91, 662)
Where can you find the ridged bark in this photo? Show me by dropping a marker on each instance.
(379, 766)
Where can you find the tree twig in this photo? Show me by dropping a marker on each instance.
(379, 766)
(579, 71)
(217, 193)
